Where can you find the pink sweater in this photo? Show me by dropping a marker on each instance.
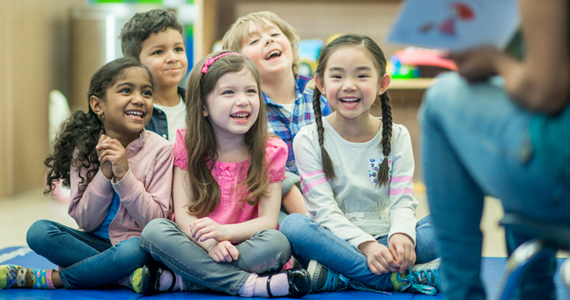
(145, 191)
(231, 210)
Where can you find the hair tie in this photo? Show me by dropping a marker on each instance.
(210, 61)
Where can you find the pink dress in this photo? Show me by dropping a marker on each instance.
(231, 210)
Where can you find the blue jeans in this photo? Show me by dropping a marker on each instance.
(86, 260)
(265, 251)
(476, 142)
(311, 241)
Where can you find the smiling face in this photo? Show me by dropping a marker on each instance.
(233, 105)
(351, 82)
(268, 48)
(127, 106)
(165, 55)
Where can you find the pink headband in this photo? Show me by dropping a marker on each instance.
(210, 61)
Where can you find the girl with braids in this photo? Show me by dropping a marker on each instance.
(120, 178)
(226, 190)
(356, 176)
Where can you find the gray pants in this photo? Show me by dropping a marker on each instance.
(265, 251)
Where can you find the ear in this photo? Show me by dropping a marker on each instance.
(204, 111)
(384, 84)
(320, 83)
(96, 104)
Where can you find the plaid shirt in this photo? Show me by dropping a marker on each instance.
(286, 125)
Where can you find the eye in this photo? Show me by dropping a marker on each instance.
(363, 76)
(253, 42)
(252, 91)
(179, 49)
(147, 93)
(157, 52)
(125, 90)
(227, 92)
(335, 76)
(276, 34)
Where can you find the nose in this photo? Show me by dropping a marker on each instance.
(242, 101)
(172, 57)
(348, 85)
(269, 40)
(137, 99)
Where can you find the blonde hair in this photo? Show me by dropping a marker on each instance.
(233, 38)
(200, 139)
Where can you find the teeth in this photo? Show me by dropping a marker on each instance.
(349, 99)
(272, 53)
(240, 115)
(137, 113)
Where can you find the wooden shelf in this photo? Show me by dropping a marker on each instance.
(411, 84)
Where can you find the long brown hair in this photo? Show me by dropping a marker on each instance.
(200, 139)
(377, 56)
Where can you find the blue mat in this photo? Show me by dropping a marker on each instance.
(493, 268)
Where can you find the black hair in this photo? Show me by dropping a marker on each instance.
(75, 143)
(379, 60)
(142, 25)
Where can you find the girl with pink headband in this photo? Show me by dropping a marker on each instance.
(226, 192)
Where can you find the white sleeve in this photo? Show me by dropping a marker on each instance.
(403, 204)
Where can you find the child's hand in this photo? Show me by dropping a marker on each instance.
(205, 228)
(111, 151)
(106, 167)
(402, 248)
(380, 260)
(224, 251)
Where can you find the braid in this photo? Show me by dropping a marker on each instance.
(328, 166)
(79, 135)
(383, 173)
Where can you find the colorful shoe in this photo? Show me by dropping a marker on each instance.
(323, 279)
(420, 278)
(150, 283)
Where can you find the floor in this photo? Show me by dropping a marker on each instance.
(18, 212)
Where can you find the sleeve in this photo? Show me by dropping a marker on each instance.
(325, 107)
(318, 194)
(276, 158)
(180, 152)
(403, 204)
(90, 206)
(153, 201)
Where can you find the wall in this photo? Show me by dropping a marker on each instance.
(34, 59)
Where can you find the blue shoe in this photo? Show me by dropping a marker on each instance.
(323, 279)
(421, 278)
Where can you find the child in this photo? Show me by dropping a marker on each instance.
(272, 45)
(155, 38)
(363, 222)
(226, 191)
(120, 178)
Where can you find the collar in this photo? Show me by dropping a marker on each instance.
(300, 84)
(135, 146)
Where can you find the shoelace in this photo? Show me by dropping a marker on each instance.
(335, 281)
(431, 275)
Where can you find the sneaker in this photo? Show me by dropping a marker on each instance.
(324, 279)
(565, 273)
(421, 278)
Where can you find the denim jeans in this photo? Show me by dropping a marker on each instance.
(476, 142)
(311, 241)
(265, 251)
(85, 260)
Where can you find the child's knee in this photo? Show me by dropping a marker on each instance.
(293, 224)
